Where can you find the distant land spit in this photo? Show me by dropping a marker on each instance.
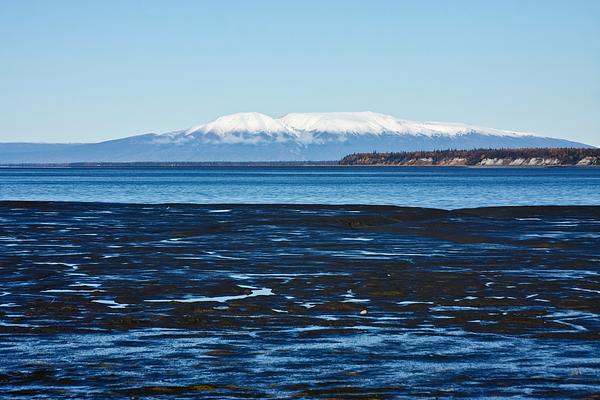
(526, 157)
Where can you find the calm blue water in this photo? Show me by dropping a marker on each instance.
(408, 186)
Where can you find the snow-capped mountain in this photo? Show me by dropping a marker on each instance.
(309, 127)
(242, 128)
(254, 136)
(370, 123)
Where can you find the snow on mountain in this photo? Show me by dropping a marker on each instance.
(242, 122)
(343, 122)
(246, 127)
(305, 128)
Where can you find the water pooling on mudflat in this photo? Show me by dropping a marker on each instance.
(140, 301)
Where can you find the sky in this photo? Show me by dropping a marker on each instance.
(83, 71)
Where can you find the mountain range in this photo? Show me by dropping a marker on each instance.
(295, 137)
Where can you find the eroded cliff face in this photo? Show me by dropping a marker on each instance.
(532, 162)
(589, 161)
(484, 158)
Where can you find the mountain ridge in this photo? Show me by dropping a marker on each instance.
(253, 136)
(361, 122)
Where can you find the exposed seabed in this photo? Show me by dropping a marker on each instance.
(298, 301)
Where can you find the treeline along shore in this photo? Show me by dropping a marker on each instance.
(523, 157)
(481, 157)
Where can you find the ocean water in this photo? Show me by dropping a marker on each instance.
(190, 301)
(436, 187)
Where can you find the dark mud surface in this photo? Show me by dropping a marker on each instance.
(234, 301)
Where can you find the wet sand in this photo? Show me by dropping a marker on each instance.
(287, 301)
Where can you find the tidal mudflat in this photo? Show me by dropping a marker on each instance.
(287, 301)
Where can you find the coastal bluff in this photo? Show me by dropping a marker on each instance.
(534, 157)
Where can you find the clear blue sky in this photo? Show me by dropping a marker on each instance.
(90, 70)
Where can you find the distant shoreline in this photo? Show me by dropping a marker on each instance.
(481, 158)
(271, 165)
(476, 158)
(175, 164)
